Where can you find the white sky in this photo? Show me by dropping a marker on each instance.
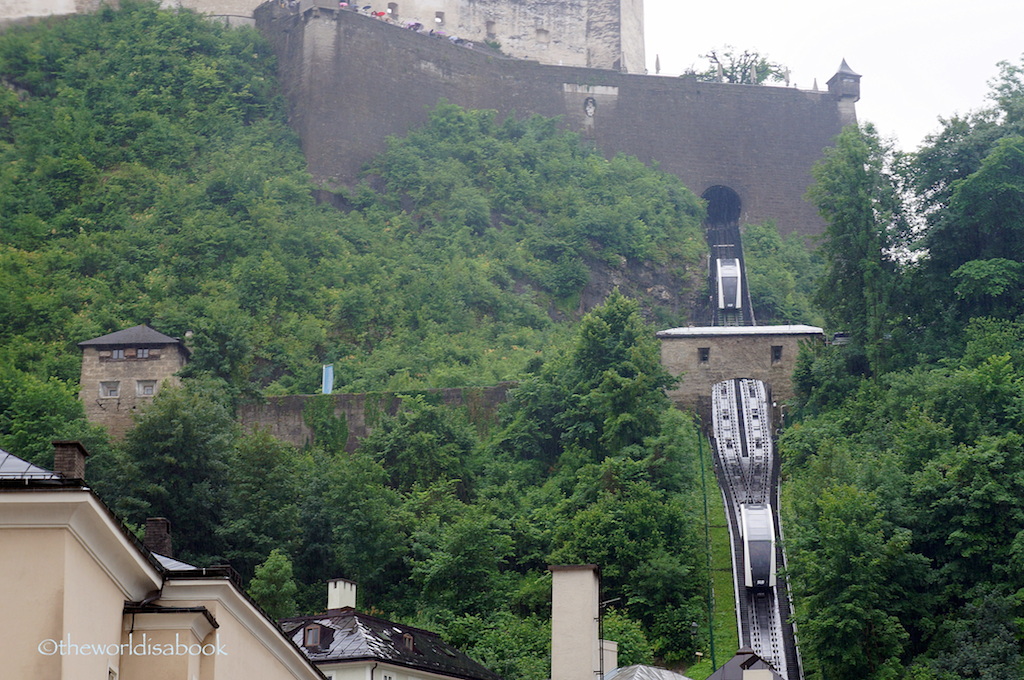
(919, 59)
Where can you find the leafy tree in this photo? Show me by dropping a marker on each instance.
(781, 274)
(465, 572)
(261, 504)
(983, 640)
(856, 193)
(273, 587)
(422, 444)
(748, 68)
(970, 501)
(179, 447)
(852, 573)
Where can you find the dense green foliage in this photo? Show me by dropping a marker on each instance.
(444, 528)
(904, 508)
(149, 176)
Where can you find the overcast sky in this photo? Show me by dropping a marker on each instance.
(919, 60)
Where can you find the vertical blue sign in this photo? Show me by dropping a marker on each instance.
(328, 380)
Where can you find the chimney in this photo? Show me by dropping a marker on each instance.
(158, 536)
(341, 593)
(609, 655)
(575, 622)
(69, 459)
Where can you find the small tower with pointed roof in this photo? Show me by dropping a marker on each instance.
(123, 371)
(845, 86)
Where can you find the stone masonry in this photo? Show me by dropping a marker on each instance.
(352, 80)
(703, 356)
(123, 371)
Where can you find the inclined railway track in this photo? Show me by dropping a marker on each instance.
(746, 470)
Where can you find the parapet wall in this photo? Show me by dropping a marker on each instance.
(351, 81)
(284, 417)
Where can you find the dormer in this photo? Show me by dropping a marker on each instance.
(311, 636)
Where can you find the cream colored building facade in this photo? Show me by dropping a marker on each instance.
(83, 599)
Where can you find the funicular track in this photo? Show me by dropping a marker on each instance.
(747, 474)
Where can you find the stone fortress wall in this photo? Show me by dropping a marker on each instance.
(590, 33)
(352, 80)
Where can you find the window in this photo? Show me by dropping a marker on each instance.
(312, 636)
(145, 388)
(117, 354)
(543, 36)
(110, 388)
(142, 353)
(776, 354)
(703, 354)
(393, 10)
(439, 18)
(407, 642)
(491, 35)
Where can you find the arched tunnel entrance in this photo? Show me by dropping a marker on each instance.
(722, 225)
(724, 205)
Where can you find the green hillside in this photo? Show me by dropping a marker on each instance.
(148, 176)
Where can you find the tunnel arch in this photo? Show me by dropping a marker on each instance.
(724, 205)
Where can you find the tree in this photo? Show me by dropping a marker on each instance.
(852, 574)
(273, 587)
(856, 192)
(748, 68)
(423, 443)
(179, 447)
(261, 504)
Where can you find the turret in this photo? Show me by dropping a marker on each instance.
(845, 86)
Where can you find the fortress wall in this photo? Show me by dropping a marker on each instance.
(352, 80)
(283, 417)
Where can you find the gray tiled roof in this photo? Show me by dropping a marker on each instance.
(347, 635)
(136, 335)
(745, 659)
(643, 673)
(172, 564)
(12, 467)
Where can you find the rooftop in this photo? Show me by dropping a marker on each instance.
(14, 468)
(347, 635)
(643, 673)
(141, 335)
(696, 331)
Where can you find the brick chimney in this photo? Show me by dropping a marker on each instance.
(69, 459)
(158, 536)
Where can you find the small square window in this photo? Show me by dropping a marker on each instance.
(703, 354)
(142, 353)
(776, 354)
(110, 389)
(312, 636)
(145, 388)
(117, 354)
